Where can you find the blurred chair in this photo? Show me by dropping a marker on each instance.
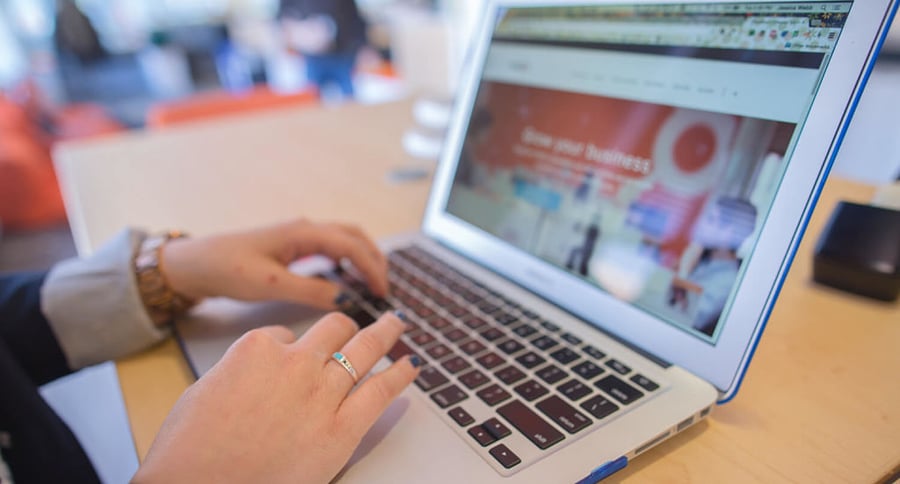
(29, 194)
(224, 103)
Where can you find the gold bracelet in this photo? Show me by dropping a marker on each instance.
(162, 303)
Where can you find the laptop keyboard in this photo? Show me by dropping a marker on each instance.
(495, 368)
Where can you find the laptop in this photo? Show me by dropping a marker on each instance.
(618, 201)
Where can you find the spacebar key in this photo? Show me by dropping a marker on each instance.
(535, 428)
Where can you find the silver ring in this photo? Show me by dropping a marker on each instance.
(340, 358)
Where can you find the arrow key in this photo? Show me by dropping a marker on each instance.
(505, 456)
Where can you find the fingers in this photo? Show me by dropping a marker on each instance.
(362, 236)
(365, 349)
(279, 333)
(328, 335)
(338, 242)
(363, 407)
(311, 291)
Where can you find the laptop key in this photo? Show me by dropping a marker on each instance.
(424, 311)
(574, 390)
(524, 330)
(496, 428)
(486, 306)
(358, 314)
(587, 370)
(472, 347)
(531, 390)
(509, 375)
(510, 346)
(482, 436)
(422, 338)
(644, 383)
(530, 424)
(564, 414)
(564, 355)
(493, 394)
(618, 389)
(473, 379)
(438, 351)
(544, 343)
(457, 311)
(594, 352)
(399, 350)
(599, 406)
(490, 360)
(492, 334)
(505, 456)
(456, 364)
(474, 322)
(450, 395)
(460, 416)
(571, 338)
(551, 374)
(549, 326)
(471, 297)
(430, 378)
(455, 334)
(505, 318)
(438, 322)
(618, 366)
(381, 305)
(530, 360)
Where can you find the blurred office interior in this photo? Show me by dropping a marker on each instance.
(140, 64)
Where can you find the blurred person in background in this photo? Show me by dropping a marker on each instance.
(75, 35)
(330, 35)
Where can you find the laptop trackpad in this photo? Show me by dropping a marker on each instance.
(216, 323)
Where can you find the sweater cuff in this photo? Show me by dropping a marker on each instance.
(94, 306)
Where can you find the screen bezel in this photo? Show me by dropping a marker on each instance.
(724, 363)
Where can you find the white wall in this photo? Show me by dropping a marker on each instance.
(12, 58)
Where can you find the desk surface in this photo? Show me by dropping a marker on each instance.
(820, 403)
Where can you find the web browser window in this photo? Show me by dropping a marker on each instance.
(640, 147)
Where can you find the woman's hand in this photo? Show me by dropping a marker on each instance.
(276, 409)
(252, 265)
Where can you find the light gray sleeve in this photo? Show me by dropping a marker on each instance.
(94, 307)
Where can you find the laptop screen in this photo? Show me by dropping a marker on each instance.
(640, 147)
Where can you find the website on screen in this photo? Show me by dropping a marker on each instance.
(640, 148)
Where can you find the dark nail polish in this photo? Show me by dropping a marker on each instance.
(402, 316)
(342, 299)
(415, 361)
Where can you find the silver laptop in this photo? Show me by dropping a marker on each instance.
(619, 198)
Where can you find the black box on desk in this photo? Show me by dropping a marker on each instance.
(859, 251)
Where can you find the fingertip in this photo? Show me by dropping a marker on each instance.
(415, 361)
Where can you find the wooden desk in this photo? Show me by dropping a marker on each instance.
(821, 402)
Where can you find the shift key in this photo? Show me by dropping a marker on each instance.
(535, 428)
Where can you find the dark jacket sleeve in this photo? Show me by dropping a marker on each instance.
(26, 332)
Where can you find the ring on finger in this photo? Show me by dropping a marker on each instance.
(344, 362)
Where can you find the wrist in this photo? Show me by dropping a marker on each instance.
(160, 298)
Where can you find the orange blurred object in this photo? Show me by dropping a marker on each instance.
(29, 193)
(223, 103)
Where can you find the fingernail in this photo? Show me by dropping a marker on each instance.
(415, 361)
(402, 316)
(341, 298)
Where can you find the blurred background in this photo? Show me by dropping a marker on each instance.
(127, 55)
(82, 69)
